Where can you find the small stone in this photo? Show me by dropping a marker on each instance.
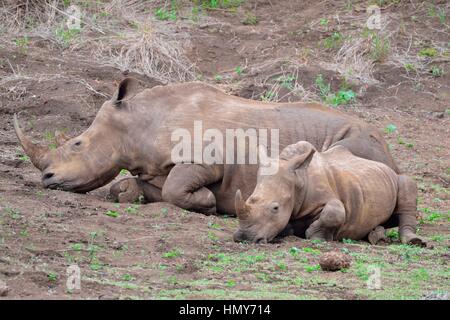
(334, 261)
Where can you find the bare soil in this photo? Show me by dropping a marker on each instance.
(160, 251)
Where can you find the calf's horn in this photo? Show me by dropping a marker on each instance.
(33, 150)
(239, 205)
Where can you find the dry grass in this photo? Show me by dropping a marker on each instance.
(147, 52)
(120, 33)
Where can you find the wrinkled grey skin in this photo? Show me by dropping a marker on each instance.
(133, 131)
(331, 195)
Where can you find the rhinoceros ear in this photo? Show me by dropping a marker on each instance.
(60, 138)
(296, 149)
(127, 89)
(299, 154)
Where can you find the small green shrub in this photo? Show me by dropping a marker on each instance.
(249, 19)
(428, 52)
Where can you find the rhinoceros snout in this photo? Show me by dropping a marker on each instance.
(49, 180)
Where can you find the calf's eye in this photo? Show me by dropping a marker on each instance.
(274, 207)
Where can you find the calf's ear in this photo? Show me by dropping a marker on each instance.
(60, 138)
(302, 157)
(127, 89)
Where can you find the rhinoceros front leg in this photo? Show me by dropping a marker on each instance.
(131, 189)
(331, 218)
(406, 211)
(186, 187)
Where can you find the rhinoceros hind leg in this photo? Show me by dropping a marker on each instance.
(185, 187)
(377, 235)
(331, 219)
(407, 210)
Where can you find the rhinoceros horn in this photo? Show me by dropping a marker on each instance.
(240, 206)
(33, 150)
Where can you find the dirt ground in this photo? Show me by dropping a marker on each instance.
(401, 79)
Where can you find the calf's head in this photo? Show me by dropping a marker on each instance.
(93, 158)
(268, 209)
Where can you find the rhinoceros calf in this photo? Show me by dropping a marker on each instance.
(331, 195)
(133, 131)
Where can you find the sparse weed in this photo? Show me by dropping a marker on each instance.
(249, 19)
(428, 52)
(331, 98)
(172, 254)
(112, 213)
(334, 41)
(164, 14)
(22, 43)
(52, 276)
(436, 71)
(66, 36)
(390, 128)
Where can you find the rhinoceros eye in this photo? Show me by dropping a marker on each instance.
(274, 207)
(78, 143)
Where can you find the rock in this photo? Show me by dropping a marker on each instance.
(334, 261)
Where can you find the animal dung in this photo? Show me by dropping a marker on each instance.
(334, 261)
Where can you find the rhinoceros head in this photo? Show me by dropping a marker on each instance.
(268, 209)
(93, 158)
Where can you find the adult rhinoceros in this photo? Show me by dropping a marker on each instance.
(133, 131)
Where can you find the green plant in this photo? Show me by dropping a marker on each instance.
(281, 265)
(124, 172)
(334, 99)
(409, 67)
(24, 158)
(324, 88)
(436, 71)
(390, 128)
(218, 77)
(52, 276)
(224, 4)
(323, 22)
(231, 283)
(132, 209)
(128, 277)
(112, 213)
(14, 214)
(269, 96)
(294, 251)
(22, 43)
(239, 70)
(333, 41)
(249, 19)
(172, 254)
(312, 268)
(428, 52)
(66, 36)
(77, 246)
(311, 250)
(165, 14)
(287, 81)
(392, 234)
(379, 48)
